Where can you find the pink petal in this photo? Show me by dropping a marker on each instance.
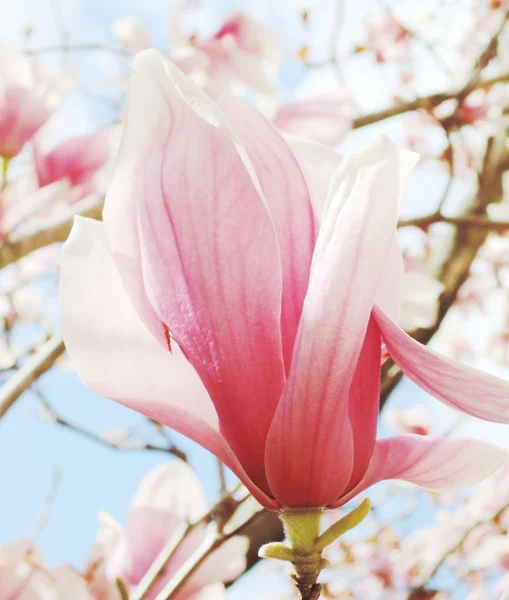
(440, 464)
(170, 495)
(287, 197)
(318, 163)
(116, 356)
(457, 385)
(252, 36)
(77, 159)
(197, 250)
(355, 238)
(364, 401)
(324, 118)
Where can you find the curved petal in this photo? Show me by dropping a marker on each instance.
(287, 196)
(197, 249)
(116, 356)
(439, 464)
(355, 238)
(324, 118)
(467, 389)
(318, 163)
(364, 402)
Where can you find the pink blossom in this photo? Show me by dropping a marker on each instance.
(168, 497)
(413, 420)
(386, 38)
(23, 576)
(242, 51)
(28, 97)
(78, 160)
(234, 300)
(323, 118)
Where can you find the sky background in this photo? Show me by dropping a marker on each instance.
(95, 478)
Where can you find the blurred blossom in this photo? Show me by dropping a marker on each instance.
(242, 52)
(419, 301)
(412, 420)
(23, 576)
(385, 37)
(80, 161)
(28, 97)
(170, 496)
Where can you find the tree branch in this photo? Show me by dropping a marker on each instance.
(13, 249)
(41, 362)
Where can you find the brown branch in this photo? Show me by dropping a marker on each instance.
(456, 546)
(94, 437)
(424, 103)
(41, 362)
(460, 221)
(13, 249)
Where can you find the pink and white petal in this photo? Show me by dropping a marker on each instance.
(325, 118)
(170, 495)
(439, 464)
(389, 293)
(353, 244)
(115, 355)
(285, 190)
(318, 163)
(174, 488)
(462, 387)
(205, 247)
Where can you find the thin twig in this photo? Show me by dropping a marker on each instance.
(91, 47)
(223, 511)
(49, 502)
(94, 437)
(461, 221)
(41, 362)
(423, 103)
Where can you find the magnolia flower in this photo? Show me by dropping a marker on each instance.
(168, 497)
(78, 160)
(27, 98)
(323, 118)
(23, 576)
(231, 298)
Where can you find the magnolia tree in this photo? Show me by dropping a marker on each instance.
(273, 218)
